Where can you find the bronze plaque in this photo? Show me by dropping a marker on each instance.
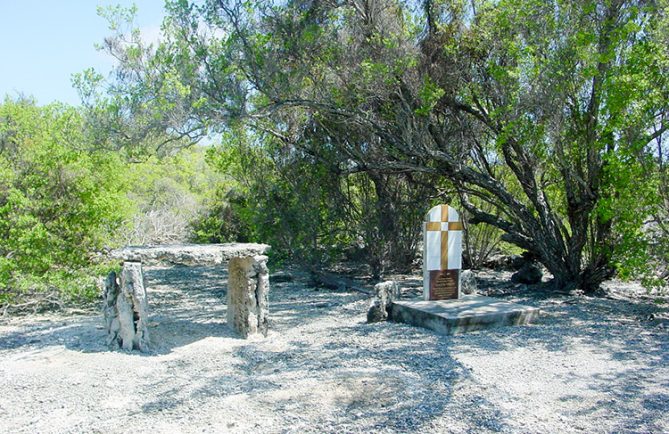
(444, 284)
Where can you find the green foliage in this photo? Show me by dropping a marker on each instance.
(279, 203)
(226, 220)
(168, 195)
(308, 210)
(541, 115)
(429, 95)
(63, 198)
(59, 201)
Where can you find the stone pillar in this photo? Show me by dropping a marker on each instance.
(248, 290)
(126, 309)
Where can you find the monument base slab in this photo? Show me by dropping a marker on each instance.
(469, 313)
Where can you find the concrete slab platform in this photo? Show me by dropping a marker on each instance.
(468, 313)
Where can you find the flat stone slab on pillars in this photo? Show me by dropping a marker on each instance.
(469, 313)
(248, 283)
(189, 254)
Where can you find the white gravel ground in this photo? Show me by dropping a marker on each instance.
(589, 364)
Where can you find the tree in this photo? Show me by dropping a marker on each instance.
(311, 212)
(543, 110)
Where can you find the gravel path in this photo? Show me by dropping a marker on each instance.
(589, 364)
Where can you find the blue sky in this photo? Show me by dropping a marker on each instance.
(44, 42)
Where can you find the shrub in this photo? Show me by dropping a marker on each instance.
(60, 200)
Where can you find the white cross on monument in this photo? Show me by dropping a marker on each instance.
(442, 253)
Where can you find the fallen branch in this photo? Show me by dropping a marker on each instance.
(37, 302)
(337, 283)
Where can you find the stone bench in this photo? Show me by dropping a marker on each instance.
(126, 304)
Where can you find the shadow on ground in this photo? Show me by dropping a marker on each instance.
(319, 364)
(323, 369)
(618, 332)
(186, 304)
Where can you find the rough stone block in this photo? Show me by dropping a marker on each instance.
(248, 290)
(189, 254)
(126, 309)
(530, 273)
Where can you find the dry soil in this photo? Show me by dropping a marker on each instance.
(589, 364)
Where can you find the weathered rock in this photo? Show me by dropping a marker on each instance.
(530, 273)
(376, 312)
(468, 283)
(248, 290)
(109, 295)
(126, 309)
(384, 295)
(518, 261)
(189, 254)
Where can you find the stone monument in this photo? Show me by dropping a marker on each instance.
(442, 253)
(125, 298)
(447, 308)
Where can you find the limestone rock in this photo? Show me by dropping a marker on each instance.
(384, 294)
(468, 283)
(248, 291)
(110, 294)
(530, 273)
(376, 312)
(189, 254)
(126, 309)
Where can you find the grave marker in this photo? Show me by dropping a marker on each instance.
(442, 253)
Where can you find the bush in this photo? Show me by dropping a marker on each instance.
(60, 201)
(169, 195)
